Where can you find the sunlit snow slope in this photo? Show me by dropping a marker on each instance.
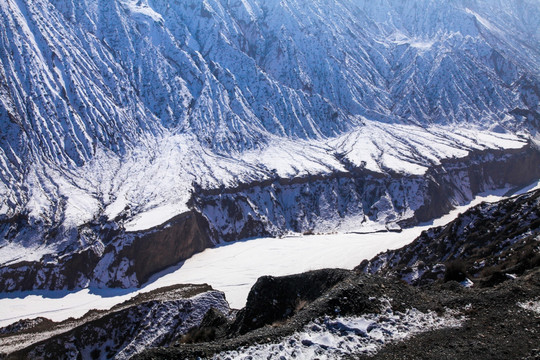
(117, 109)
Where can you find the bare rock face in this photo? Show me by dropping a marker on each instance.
(495, 322)
(326, 203)
(129, 259)
(455, 181)
(72, 271)
(24, 325)
(151, 251)
(494, 245)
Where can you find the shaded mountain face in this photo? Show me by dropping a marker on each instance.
(113, 113)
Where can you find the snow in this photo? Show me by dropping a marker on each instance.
(483, 21)
(422, 45)
(112, 117)
(409, 149)
(153, 217)
(533, 305)
(334, 338)
(153, 181)
(534, 186)
(141, 8)
(231, 268)
(235, 268)
(148, 324)
(399, 38)
(14, 252)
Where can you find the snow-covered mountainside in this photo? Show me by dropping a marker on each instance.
(117, 116)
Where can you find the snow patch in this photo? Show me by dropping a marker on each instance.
(141, 9)
(467, 283)
(533, 305)
(333, 338)
(153, 181)
(13, 252)
(153, 217)
(422, 45)
(488, 25)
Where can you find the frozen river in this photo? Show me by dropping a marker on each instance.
(232, 268)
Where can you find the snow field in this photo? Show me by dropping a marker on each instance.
(533, 305)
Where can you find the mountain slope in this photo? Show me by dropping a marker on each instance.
(83, 76)
(114, 113)
(330, 314)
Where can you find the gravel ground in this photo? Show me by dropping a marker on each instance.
(495, 326)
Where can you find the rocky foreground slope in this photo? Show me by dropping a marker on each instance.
(486, 245)
(488, 307)
(152, 319)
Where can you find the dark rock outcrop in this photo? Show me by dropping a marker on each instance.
(275, 299)
(128, 260)
(159, 248)
(495, 326)
(496, 238)
(496, 319)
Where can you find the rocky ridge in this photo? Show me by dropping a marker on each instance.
(148, 320)
(495, 307)
(488, 244)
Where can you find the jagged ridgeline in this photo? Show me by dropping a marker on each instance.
(120, 115)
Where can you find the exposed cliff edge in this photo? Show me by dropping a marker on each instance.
(125, 260)
(486, 245)
(359, 198)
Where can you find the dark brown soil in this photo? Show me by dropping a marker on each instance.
(497, 328)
